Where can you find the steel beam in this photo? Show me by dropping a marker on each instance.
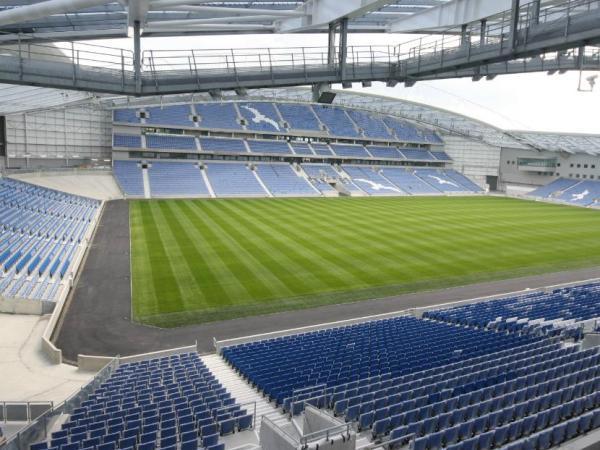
(137, 56)
(514, 23)
(343, 50)
(319, 13)
(451, 14)
(331, 44)
(35, 11)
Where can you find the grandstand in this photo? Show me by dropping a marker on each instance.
(44, 233)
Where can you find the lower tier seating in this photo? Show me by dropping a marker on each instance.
(41, 232)
(575, 192)
(172, 403)
(282, 180)
(242, 179)
(333, 357)
(176, 180)
(561, 311)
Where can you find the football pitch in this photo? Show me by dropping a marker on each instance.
(196, 261)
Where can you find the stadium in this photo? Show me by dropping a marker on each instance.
(280, 247)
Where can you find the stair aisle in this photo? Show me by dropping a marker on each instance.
(243, 392)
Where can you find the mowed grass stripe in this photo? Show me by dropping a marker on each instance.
(265, 255)
(141, 263)
(162, 276)
(255, 262)
(275, 250)
(374, 246)
(328, 256)
(173, 238)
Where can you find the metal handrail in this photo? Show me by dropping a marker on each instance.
(373, 62)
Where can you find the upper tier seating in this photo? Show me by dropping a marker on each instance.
(546, 312)
(299, 117)
(261, 116)
(557, 186)
(41, 231)
(217, 116)
(171, 142)
(129, 177)
(222, 145)
(172, 403)
(404, 131)
(265, 146)
(336, 121)
(179, 115)
(440, 180)
(406, 180)
(372, 127)
(301, 148)
(269, 117)
(282, 181)
(350, 151)
(415, 154)
(584, 194)
(233, 180)
(127, 140)
(126, 116)
(379, 151)
(168, 179)
(334, 357)
(371, 182)
(322, 149)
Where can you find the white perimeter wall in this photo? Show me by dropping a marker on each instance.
(473, 158)
(78, 133)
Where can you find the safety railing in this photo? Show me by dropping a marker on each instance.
(327, 433)
(23, 411)
(38, 428)
(308, 64)
(75, 53)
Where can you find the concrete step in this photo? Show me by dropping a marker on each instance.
(243, 392)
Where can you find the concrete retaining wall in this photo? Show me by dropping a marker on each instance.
(94, 363)
(53, 352)
(26, 306)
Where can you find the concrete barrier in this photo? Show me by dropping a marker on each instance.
(94, 363)
(415, 312)
(25, 306)
(48, 347)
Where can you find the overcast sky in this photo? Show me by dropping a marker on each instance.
(530, 101)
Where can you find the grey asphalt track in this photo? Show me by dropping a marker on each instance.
(98, 317)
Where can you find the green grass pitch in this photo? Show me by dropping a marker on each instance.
(203, 260)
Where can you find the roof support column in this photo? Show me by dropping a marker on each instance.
(514, 23)
(463, 34)
(535, 11)
(331, 44)
(343, 51)
(482, 32)
(137, 57)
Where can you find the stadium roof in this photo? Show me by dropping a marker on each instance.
(21, 99)
(94, 19)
